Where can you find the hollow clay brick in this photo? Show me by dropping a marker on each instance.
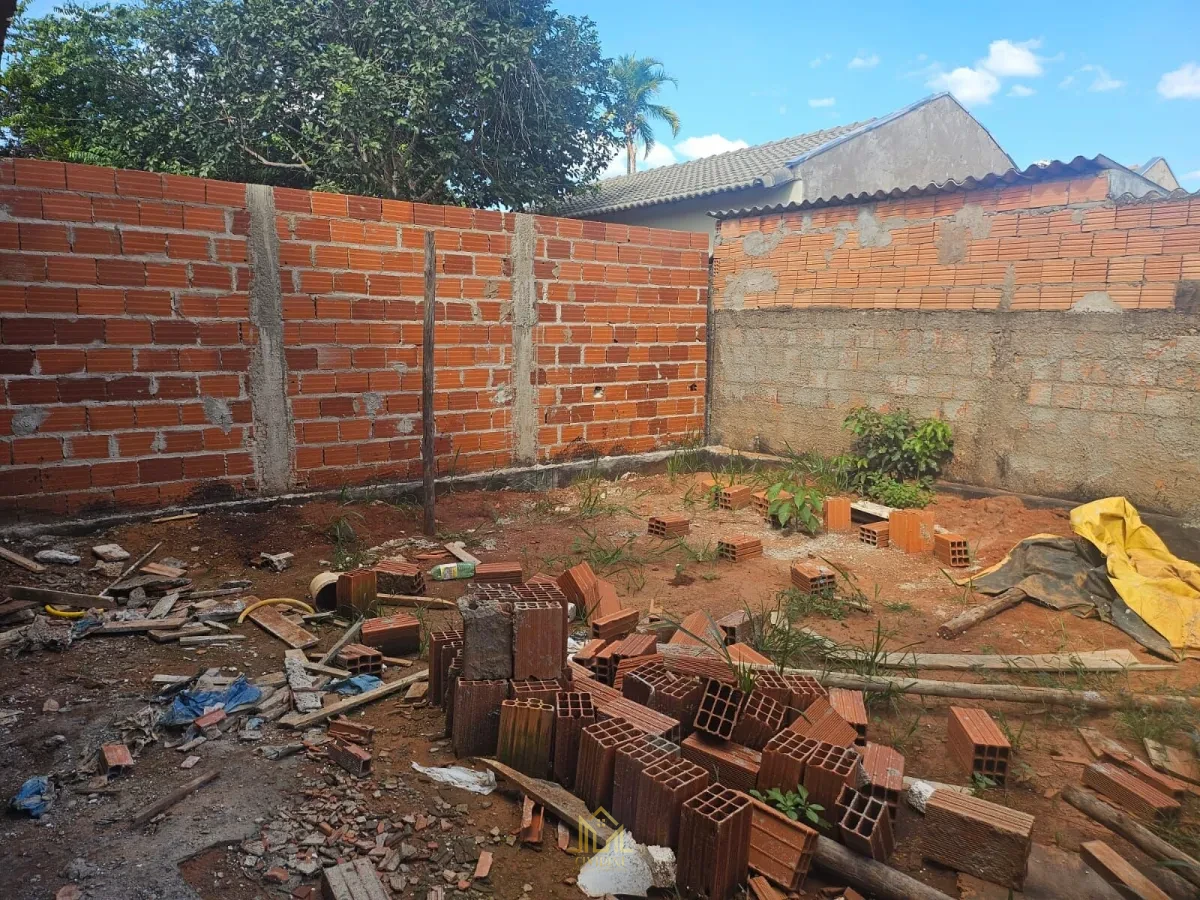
(476, 727)
(714, 843)
(576, 582)
(720, 709)
(616, 624)
(836, 514)
(983, 839)
(351, 757)
(392, 635)
(610, 704)
(680, 699)
(951, 550)
(805, 689)
(977, 743)
(739, 547)
(821, 722)
(850, 706)
(828, 769)
(736, 626)
(392, 576)
(356, 590)
(696, 630)
(772, 684)
(359, 659)
(1130, 792)
(668, 525)
(536, 689)
(600, 601)
(526, 730)
(438, 667)
(762, 718)
(573, 712)
(631, 759)
(874, 534)
(809, 577)
(761, 503)
(501, 572)
(598, 745)
(783, 761)
(640, 683)
(663, 786)
(883, 768)
(780, 849)
(730, 764)
(866, 826)
(539, 641)
(734, 497)
(911, 530)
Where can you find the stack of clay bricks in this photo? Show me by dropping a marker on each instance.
(739, 547)
(668, 525)
(598, 600)
(809, 577)
(396, 576)
(977, 744)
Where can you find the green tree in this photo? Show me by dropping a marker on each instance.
(638, 82)
(481, 102)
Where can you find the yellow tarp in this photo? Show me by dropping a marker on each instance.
(1161, 588)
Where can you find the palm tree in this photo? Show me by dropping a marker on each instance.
(638, 82)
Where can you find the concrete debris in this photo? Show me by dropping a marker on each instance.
(620, 868)
(110, 553)
(275, 562)
(57, 557)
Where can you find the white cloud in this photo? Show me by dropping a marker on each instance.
(1008, 59)
(1192, 176)
(708, 145)
(660, 155)
(1067, 82)
(1020, 90)
(818, 61)
(817, 102)
(969, 86)
(1103, 81)
(1182, 84)
(783, 109)
(864, 61)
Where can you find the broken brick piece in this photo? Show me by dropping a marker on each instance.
(836, 514)
(115, 758)
(392, 635)
(526, 731)
(821, 722)
(668, 525)
(828, 769)
(631, 759)
(736, 626)
(809, 577)
(476, 724)
(883, 769)
(351, 757)
(866, 826)
(874, 534)
(780, 848)
(357, 590)
(576, 583)
(573, 712)
(1130, 792)
(394, 576)
(714, 843)
(615, 625)
(539, 640)
(761, 719)
(209, 719)
(720, 708)
(598, 745)
(977, 743)
(351, 732)
(951, 550)
(730, 764)
(438, 666)
(359, 659)
(783, 761)
(739, 547)
(850, 706)
(499, 572)
(983, 839)
(662, 788)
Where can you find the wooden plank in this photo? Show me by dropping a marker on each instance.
(459, 551)
(428, 428)
(181, 517)
(136, 626)
(568, 808)
(355, 880)
(59, 598)
(202, 639)
(976, 614)
(419, 602)
(8, 607)
(167, 636)
(23, 561)
(271, 620)
(1173, 761)
(356, 701)
(162, 805)
(1117, 872)
(163, 607)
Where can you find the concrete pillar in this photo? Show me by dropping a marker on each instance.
(273, 437)
(524, 318)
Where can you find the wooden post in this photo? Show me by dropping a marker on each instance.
(427, 424)
(976, 614)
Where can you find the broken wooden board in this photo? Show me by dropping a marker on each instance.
(1120, 660)
(352, 881)
(59, 598)
(1173, 761)
(1055, 874)
(9, 607)
(163, 571)
(136, 626)
(163, 804)
(163, 607)
(386, 690)
(202, 639)
(24, 562)
(568, 808)
(181, 517)
(271, 620)
(1113, 868)
(166, 636)
(459, 551)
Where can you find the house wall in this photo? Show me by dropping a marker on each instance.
(168, 339)
(1057, 332)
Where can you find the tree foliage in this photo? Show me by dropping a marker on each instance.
(639, 80)
(481, 102)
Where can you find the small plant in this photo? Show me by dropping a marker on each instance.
(898, 494)
(981, 783)
(795, 504)
(794, 804)
(897, 606)
(347, 550)
(1015, 738)
(822, 603)
(689, 458)
(894, 458)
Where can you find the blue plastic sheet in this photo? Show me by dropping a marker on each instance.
(190, 705)
(359, 684)
(34, 797)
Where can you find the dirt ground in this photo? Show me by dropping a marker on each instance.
(200, 847)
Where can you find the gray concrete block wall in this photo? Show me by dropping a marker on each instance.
(1062, 404)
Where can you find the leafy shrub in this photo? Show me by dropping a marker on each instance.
(894, 458)
(898, 494)
(793, 804)
(802, 509)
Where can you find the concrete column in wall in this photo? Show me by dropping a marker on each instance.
(273, 437)
(524, 325)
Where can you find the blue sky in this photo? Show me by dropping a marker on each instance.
(1068, 79)
(1050, 81)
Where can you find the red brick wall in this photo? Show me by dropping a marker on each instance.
(125, 339)
(1024, 247)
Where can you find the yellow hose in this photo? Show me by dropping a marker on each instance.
(66, 614)
(287, 601)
